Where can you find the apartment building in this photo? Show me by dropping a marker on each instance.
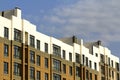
(27, 54)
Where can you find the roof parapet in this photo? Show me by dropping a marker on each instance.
(9, 13)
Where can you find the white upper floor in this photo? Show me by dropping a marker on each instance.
(12, 20)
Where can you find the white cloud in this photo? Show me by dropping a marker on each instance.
(88, 19)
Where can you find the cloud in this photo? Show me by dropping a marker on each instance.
(95, 19)
(88, 19)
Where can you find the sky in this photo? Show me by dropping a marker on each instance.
(90, 20)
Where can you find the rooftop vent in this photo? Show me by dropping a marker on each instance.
(74, 39)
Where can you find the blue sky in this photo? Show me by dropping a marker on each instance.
(91, 20)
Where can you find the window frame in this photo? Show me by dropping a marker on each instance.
(32, 56)
(6, 66)
(17, 35)
(6, 32)
(6, 50)
(17, 52)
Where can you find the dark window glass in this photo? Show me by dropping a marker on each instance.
(56, 77)
(70, 70)
(95, 77)
(17, 69)
(109, 61)
(56, 65)
(102, 78)
(86, 61)
(17, 35)
(118, 76)
(102, 69)
(77, 71)
(64, 68)
(87, 74)
(46, 47)
(46, 76)
(17, 52)
(70, 56)
(102, 58)
(32, 56)
(96, 54)
(90, 63)
(64, 54)
(5, 68)
(77, 58)
(112, 74)
(90, 76)
(95, 66)
(109, 72)
(56, 50)
(32, 41)
(38, 60)
(6, 50)
(112, 63)
(32, 73)
(6, 32)
(46, 62)
(38, 44)
(38, 75)
(117, 66)
(83, 59)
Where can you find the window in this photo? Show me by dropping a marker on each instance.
(46, 47)
(64, 53)
(117, 66)
(6, 32)
(96, 54)
(38, 60)
(64, 68)
(102, 69)
(109, 72)
(90, 76)
(56, 50)
(102, 58)
(95, 66)
(86, 61)
(112, 74)
(77, 71)
(56, 77)
(32, 41)
(70, 56)
(83, 59)
(87, 74)
(102, 78)
(38, 75)
(118, 76)
(109, 61)
(17, 69)
(46, 62)
(17, 52)
(90, 63)
(95, 77)
(17, 35)
(77, 58)
(32, 56)
(32, 73)
(46, 76)
(70, 70)
(5, 68)
(56, 65)
(38, 44)
(6, 50)
(112, 63)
